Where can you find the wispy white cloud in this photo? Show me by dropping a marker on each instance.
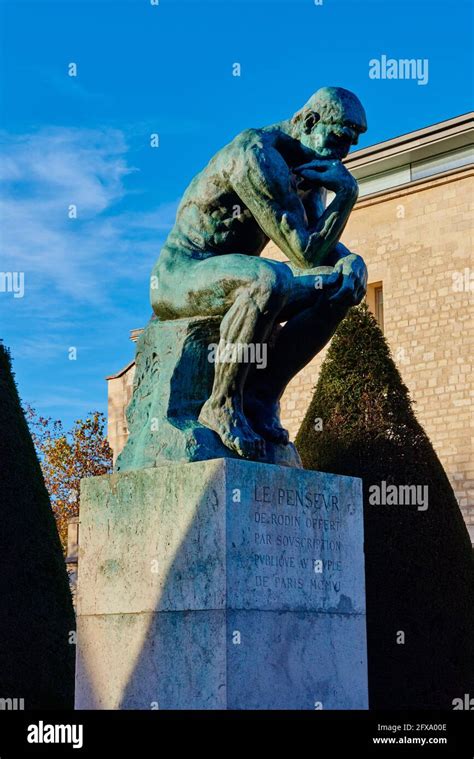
(41, 175)
(65, 397)
(41, 348)
(85, 278)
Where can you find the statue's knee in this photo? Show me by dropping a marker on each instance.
(272, 283)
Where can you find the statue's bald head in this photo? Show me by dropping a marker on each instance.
(331, 121)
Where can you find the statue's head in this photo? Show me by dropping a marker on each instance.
(330, 122)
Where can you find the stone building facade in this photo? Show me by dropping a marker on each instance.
(413, 224)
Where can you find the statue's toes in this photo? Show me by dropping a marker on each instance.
(261, 449)
(278, 435)
(249, 447)
(283, 436)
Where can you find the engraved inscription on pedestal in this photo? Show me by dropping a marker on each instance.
(294, 546)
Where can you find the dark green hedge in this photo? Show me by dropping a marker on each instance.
(36, 613)
(419, 564)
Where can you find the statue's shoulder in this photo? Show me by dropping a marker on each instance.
(245, 149)
(239, 154)
(248, 140)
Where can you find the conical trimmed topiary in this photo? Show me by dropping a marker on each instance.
(36, 613)
(419, 564)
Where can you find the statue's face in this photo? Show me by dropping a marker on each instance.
(333, 140)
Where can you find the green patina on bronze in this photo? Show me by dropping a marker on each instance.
(210, 286)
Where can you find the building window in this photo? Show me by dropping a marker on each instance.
(379, 305)
(453, 159)
(375, 301)
(411, 172)
(384, 181)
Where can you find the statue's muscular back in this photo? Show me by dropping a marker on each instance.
(212, 219)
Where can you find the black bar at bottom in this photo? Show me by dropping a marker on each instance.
(159, 733)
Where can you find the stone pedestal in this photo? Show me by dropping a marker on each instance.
(221, 584)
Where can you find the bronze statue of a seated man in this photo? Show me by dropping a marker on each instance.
(267, 184)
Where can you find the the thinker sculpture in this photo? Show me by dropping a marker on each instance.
(267, 184)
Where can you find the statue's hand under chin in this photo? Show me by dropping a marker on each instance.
(327, 172)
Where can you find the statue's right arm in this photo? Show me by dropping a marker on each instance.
(262, 180)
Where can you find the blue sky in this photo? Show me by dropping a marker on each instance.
(165, 69)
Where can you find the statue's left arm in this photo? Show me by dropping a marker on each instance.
(262, 180)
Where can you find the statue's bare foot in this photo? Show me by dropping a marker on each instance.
(265, 419)
(233, 429)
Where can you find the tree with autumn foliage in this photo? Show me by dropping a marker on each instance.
(68, 457)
